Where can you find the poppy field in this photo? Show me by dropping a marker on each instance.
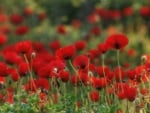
(95, 62)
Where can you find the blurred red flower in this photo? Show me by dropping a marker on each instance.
(131, 93)
(22, 30)
(24, 47)
(121, 95)
(66, 52)
(119, 74)
(3, 17)
(117, 41)
(42, 83)
(16, 19)
(4, 29)
(14, 74)
(80, 45)
(145, 11)
(61, 29)
(127, 11)
(3, 39)
(42, 16)
(23, 68)
(94, 96)
(76, 23)
(93, 18)
(95, 30)
(102, 71)
(103, 47)
(28, 11)
(3, 69)
(81, 61)
(55, 45)
(99, 83)
(93, 53)
(64, 75)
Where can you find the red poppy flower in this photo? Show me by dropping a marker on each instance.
(94, 96)
(76, 23)
(128, 11)
(99, 83)
(24, 47)
(61, 29)
(103, 13)
(81, 61)
(144, 91)
(43, 83)
(119, 74)
(42, 16)
(96, 30)
(80, 45)
(22, 30)
(57, 64)
(117, 41)
(103, 48)
(93, 53)
(83, 77)
(5, 29)
(131, 93)
(121, 95)
(74, 79)
(23, 68)
(66, 52)
(43, 96)
(2, 97)
(131, 52)
(16, 18)
(120, 86)
(37, 65)
(132, 74)
(30, 85)
(10, 98)
(38, 46)
(64, 75)
(28, 11)
(12, 58)
(3, 39)
(55, 45)
(93, 18)
(110, 76)
(14, 74)
(145, 11)
(78, 104)
(3, 69)
(41, 60)
(101, 70)
(114, 14)
(2, 80)
(44, 72)
(3, 17)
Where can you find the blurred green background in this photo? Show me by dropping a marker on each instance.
(53, 13)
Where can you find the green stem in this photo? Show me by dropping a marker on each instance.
(127, 107)
(103, 65)
(71, 67)
(30, 70)
(65, 91)
(118, 62)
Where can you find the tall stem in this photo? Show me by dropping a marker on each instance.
(103, 66)
(118, 62)
(30, 69)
